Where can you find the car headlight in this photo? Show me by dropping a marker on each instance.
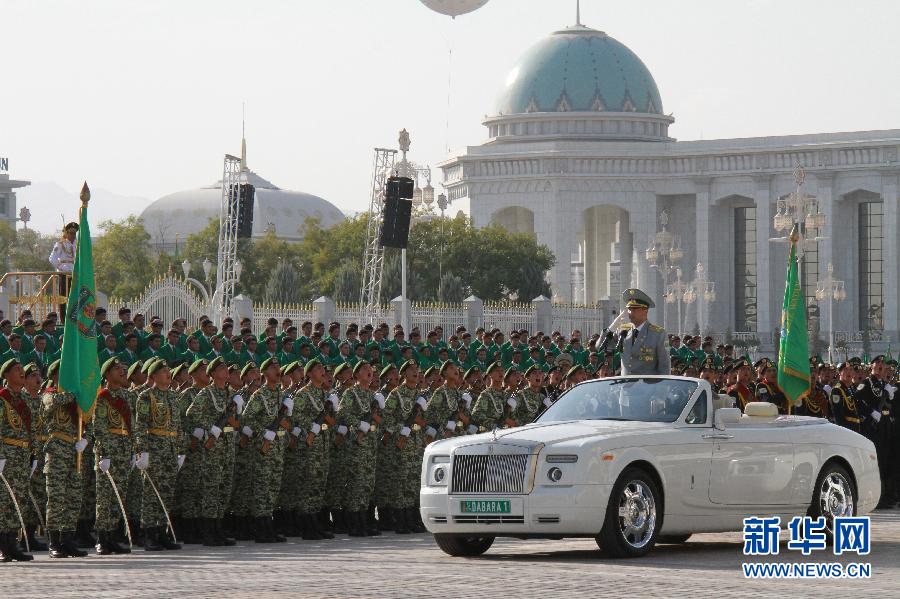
(439, 474)
(554, 474)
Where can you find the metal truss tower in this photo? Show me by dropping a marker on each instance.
(373, 261)
(226, 277)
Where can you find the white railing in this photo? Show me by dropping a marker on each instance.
(298, 313)
(509, 315)
(588, 319)
(428, 315)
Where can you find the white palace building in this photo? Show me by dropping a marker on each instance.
(579, 155)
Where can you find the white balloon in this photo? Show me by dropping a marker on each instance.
(453, 8)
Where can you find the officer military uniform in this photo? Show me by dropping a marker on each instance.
(873, 401)
(644, 350)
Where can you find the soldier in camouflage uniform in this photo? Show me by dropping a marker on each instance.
(189, 481)
(403, 413)
(287, 514)
(385, 462)
(310, 409)
(37, 488)
(64, 480)
(139, 381)
(241, 489)
(157, 441)
(340, 380)
(447, 409)
(212, 419)
(112, 452)
(15, 456)
(530, 400)
(491, 409)
(263, 423)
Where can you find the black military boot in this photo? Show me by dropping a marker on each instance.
(102, 545)
(11, 550)
(56, 548)
(33, 543)
(339, 518)
(262, 530)
(70, 544)
(137, 533)
(275, 535)
(310, 528)
(167, 541)
(415, 521)
(83, 537)
(371, 520)
(222, 533)
(356, 526)
(209, 533)
(151, 539)
(401, 526)
(114, 545)
(385, 518)
(5, 556)
(323, 530)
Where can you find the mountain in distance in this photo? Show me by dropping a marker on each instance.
(51, 205)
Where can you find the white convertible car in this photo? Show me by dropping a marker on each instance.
(634, 461)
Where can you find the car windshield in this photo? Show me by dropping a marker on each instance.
(644, 399)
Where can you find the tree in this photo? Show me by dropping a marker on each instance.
(31, 251)
(122, 258)
(283, 284)
(347, 283)
(532, 283)
(452, 290)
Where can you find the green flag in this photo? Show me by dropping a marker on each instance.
(793, 354)
(79, 372)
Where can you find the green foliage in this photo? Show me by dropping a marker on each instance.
(452, 290)
(347, 282)
(283, 284)
(29, 251)
(122, 258)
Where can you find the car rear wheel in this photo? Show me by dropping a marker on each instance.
(463, 546)
(834, 495)
(673, 539)
(631, 525)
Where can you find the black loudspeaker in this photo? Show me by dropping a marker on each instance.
(399, 187)
(395, 223)
(245, 211)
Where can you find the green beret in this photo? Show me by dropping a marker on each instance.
(573, 370)
(273, 361)
(340, 368)
(290, 367)
(107, 365)
(234, 367)
(134, 368)
(201, 363)
(531, 369)
(445, 365)
(177, 370)
(471, 371)
(386, 370)
(509, 371)
(428, 371)
(145, 367)
(54, 366)
(359, 365)
(213, 364)
(30, 367)
(406, 365)
(494, 366)
(156, 366)
(310, 365)
(247, 367)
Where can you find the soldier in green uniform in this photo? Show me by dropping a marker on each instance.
(263, 423)
(112, 453)
(356, 431)
(157, 441)
(530, 399)
(243, 463)
(492, 408)
(15, 456)
(212, 419)
(188, 481)
(287, 508)
(37, 487)
(447, 410)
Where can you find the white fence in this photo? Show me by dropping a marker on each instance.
(168, 298)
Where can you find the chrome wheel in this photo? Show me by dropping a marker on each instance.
(835, 497)
(637, 514)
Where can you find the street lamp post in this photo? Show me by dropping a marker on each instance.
(662, 253)
(675, 295)
(442, 205)
(833, 290)
(207, 273)
(702, 291)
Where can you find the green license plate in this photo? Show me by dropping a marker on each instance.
(485, 506)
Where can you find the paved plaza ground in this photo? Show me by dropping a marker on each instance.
(412, 566)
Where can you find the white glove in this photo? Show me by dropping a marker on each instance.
(364, 426)
(33, 467)
(468, 399)
(876, 415)
(247, 431)
(431, 431)
(143, 461)
(104, 464)
(380, 399)
(296, 431)
(827, 389)
(333, 398)
(239, 402)
(891, 390)
(315, 428)
(269, 435)
(2, 464)
(342, 430)
(289, 404)
(421, 402)
(547, 402)
(198, 432)
(472, 429)
(451, 425)
(512, 403)
(180, 461)
(80, 444)
(405, 431)
(215, 431)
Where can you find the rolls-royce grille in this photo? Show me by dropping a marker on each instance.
(489, 473)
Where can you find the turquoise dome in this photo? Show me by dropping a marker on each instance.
(579, 69)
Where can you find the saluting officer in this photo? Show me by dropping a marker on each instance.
(644, 350)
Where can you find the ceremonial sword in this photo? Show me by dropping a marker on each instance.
(122, 506)
(161, 503)
(18, 510)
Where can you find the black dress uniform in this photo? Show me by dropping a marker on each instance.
(875, 406)
(843, 407)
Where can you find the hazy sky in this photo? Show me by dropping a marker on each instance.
(144, 98)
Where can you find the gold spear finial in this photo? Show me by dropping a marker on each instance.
(795, 233)
(85, 194)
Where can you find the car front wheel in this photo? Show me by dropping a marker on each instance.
(834, 496)
(463, 546)
(632, 522)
